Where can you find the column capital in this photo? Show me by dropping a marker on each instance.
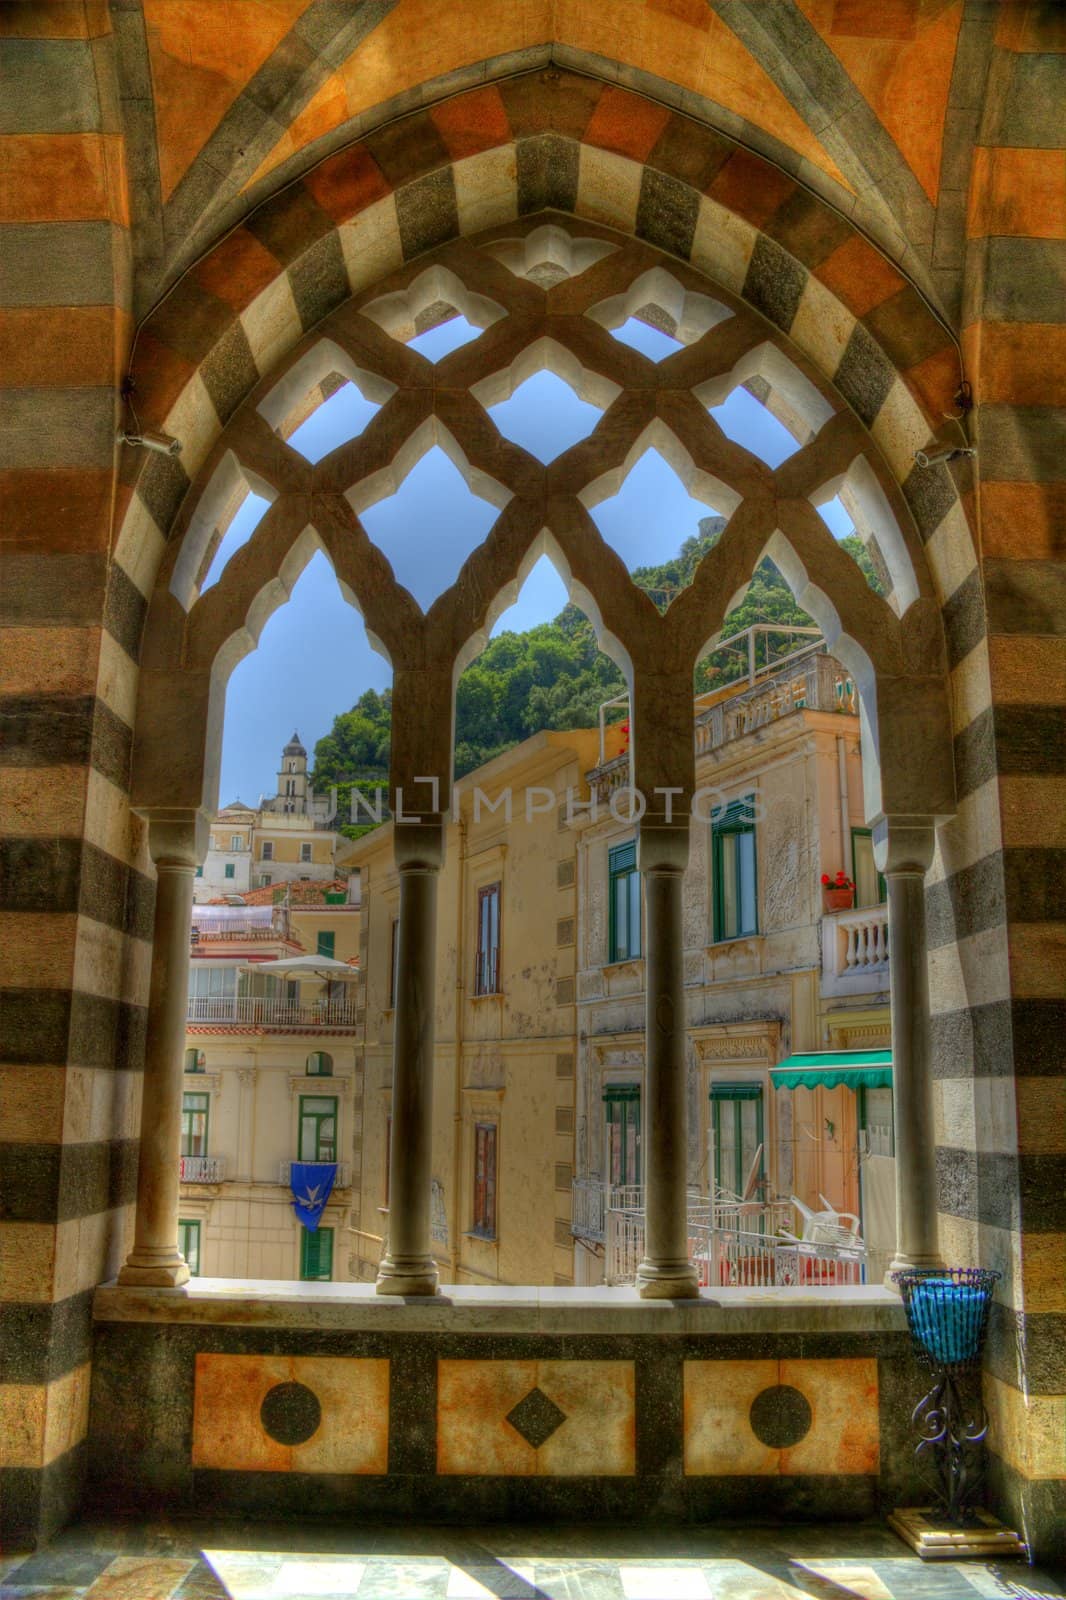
(662, 847)
(903, 844)
(419, 846)
(177, 836)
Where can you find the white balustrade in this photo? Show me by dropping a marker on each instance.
(341, 1181)
(855, 950)
(202, 1169)
(271, 1013)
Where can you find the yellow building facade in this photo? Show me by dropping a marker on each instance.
(270, 1074)
(539, 1060)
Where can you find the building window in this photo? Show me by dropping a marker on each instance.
(230, 869)
(189, 1244)
(266, 850)
(318, 1128)
(622, 1107)
(199, 872)
(487, 969)
(195, 1060)
(234, 841)
(316, 1255)
(326, 944)
(319, 1064)
(736, 1133)
(194, 1118)
(394, 962)
(734, 871)
(265, 880)
(870, 887)
(876, 1122)
(485, 1179)
(305, 852)
(624, 902)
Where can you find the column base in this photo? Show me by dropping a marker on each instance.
(407, 1275)
(154, 1269)
(667, 1280)
(901, 1263)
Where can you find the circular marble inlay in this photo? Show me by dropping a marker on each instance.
(290, 1413)
(780, 1416)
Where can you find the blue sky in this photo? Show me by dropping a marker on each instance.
(314, 659)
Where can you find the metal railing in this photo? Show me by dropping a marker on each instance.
(271, 1013)
(727, 1257)
(591, 1198)
(341, 1181)
(202, 1169)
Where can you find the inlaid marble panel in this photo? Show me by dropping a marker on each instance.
(536, 1418)
(763, 1418)
(291, 1414)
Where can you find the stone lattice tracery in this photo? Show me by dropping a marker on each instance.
(545, 295)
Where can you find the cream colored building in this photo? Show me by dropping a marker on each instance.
(504, 1079)
(539, 1055)
(270, 1077)
(770, 973)
(286, 838)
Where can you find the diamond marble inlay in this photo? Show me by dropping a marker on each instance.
(536, 1418)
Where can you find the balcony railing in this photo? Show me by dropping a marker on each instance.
(591, 1199)
(244, 932)
(855, 950)
(811, 681)
(341, 1181)
(734, 1257)
(202, 1169)
(816, 683)
(268, 1013)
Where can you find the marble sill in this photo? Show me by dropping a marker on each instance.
(500, 1308)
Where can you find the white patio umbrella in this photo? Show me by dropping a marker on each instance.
(325, 967)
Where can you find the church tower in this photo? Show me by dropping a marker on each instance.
(292, 778)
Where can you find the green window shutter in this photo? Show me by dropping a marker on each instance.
(326, 944)
(622, 1091)
(231, 870)
(734, 870)
(623, 903)
(316, 1255)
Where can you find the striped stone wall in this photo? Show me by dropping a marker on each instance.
(76, 898)
(77, 888)
(1007, 1187)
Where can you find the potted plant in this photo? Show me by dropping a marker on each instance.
(839, 892)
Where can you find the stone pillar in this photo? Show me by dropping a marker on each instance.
(666, 1273)
(177, 841)
(408, 1267)
(903, 850)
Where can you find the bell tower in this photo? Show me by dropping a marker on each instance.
(292, 778)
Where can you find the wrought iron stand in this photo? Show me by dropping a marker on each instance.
(947, 1313)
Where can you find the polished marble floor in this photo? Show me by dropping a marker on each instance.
(259, 1561)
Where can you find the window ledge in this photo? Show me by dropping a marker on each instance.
(474, 1308)
(737, 941)
(482, 1238)
(489, 994)
(626, 964)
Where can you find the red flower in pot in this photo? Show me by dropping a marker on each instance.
(839, 892)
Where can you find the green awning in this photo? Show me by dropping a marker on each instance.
(856, 1069)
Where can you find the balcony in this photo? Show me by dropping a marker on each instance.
(591, 1200)
(735, 1256)
(251, 1011)
(343, 1180)
(810, 681)
(855, 951)
(202, 1169)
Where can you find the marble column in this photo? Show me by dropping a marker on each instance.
(903, 851)
(177, 842)
(666, 1273)
(408, 1267)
